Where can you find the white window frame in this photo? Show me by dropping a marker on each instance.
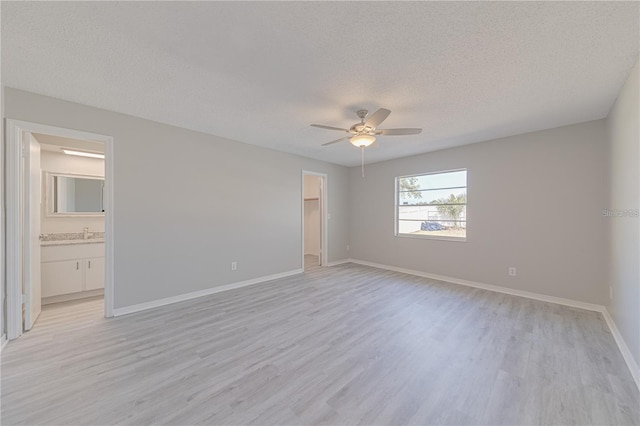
(428, 237)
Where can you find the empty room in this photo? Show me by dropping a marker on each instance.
(337, 213)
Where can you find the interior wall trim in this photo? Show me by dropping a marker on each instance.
(490, 287)
(624, 349)
(339, 262)
(15, 131)
(200, 293)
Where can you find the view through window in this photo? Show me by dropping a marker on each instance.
(432, 205)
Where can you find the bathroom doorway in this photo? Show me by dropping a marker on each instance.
(71, 228)
(314, 220)
(59, 226)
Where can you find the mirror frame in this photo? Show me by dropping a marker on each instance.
(49, 197)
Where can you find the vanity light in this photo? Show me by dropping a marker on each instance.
(83, 153)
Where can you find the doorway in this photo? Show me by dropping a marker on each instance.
(45, 203)
(314, 220)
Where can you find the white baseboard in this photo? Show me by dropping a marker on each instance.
(339, 262)
(72, 296)
(3, 342)
(497, 289)
(182, 297)
(624, 349)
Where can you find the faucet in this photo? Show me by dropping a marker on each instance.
(85, 233)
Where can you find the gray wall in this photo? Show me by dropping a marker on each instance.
(624, 133)
(534, 202)
(185, 202)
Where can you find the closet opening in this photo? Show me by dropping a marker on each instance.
(314, 220)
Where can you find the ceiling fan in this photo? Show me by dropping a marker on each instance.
(364, 133)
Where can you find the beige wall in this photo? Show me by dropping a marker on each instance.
(185, 202)
(624, 134)
(534, 202)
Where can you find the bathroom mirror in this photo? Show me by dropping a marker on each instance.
(75, 195)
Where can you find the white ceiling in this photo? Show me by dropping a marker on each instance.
(261, 72)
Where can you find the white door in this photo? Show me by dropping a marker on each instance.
(32, 198)
(321, 215)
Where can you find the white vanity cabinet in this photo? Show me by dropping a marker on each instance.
(72, 268)
(61, 277)
(94, 273)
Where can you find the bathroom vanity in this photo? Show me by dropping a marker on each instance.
(72, 269)
(72, 263)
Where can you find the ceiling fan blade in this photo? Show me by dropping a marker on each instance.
(336, 141)
(322, 126)
(377, 117)
(390, 132)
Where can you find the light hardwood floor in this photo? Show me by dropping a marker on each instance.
(343, 345)
(311, 263)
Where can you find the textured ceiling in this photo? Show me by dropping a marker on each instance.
(261, 72)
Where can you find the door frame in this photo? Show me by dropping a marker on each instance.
(324, 215)
(14, 219)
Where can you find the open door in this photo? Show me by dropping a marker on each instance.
(31, 233)
(314, 219)
(22, 193)
(320, 228)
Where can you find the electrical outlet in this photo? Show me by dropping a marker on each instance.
(347, 247)
(234, 266)
(512, 271)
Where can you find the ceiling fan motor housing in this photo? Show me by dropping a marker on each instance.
(360, 128)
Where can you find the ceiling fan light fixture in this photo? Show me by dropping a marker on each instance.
(362, 141)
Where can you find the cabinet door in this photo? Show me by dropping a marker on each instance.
(94, 273)
(61, 277)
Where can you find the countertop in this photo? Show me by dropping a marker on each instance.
(71, 242)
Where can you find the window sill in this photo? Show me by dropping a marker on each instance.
(434, 237)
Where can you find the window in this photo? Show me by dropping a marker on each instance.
(432, 205)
